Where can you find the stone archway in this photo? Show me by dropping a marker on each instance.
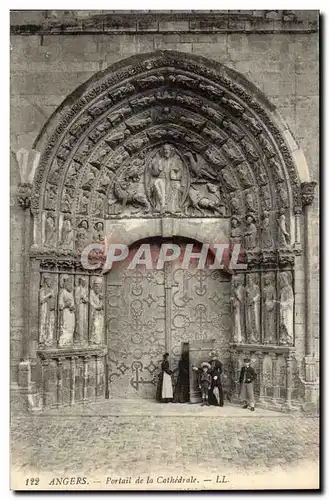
(164, 139)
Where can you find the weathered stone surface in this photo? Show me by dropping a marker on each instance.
(278, 54)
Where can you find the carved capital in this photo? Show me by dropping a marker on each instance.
(24, 195)
(27, 160)
(308, 192)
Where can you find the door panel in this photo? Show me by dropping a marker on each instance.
(152, 311)
(135, 331)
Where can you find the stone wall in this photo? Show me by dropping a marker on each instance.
(54, 52)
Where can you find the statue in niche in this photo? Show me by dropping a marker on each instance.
(265, 198)
(72, 173)
(236, 231)
(286, 310)
(66, 308)
(50, 200)
(105, 180)
(235, 157)
(250, 205)
(253, 309)
(260, 174)
(99, 204)
(89, 179)
(67, 233)
(269, 307)
(82, 234)
(129, 190)
(251, 234)
(210, 201)
(50, 231)
(199, 168)
(229, 180)
(81, 304)
(244, 175)
(283, 235)
(98, 234)
(96, 311)
(235, 205)
(267, 232)
(250, 151)
(277, 170)
(84, 202)
(283, 196)
(237, 300)
(266, 145)
(47, 298)
(166, 171)
(67, 199)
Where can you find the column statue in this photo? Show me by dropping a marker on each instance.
(47, 297)
(81, 304)
(66, 311)
(269, 307)
(286, 310)
(96, 311)
(253, 309)
(237, 299)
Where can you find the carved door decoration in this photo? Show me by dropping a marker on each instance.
(152, 311)
(198, 352)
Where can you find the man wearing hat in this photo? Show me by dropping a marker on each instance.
(205, 382)
(216, 392)
(247, 377)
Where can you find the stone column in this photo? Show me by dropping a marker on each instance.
(275, 377)
(307, 199)
(288, 382)
(297, 245)
(27, 162)
(72, 388)
(261, 376)
(45, 375)
(60, 381)
(85, 378)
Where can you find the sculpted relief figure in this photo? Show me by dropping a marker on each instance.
(166, 171)
(67, 233)
(98, 231)
(253, 309)
(286, 310)
(199, 168)
(251, 235)
(82, 235)
(250, 204)
(50, 231)
(96, 311)
(128, 189)
(283, 235)
(47, 299)
(229, 180)
(269, 309)
(81, 304)
(235, 205)
(237, 300)
(236, 231)
(267, 232)
(66, 308)
(206, 199)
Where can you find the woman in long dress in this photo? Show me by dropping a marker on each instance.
(182, 387)
(164, 390)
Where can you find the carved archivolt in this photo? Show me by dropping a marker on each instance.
(170, 134)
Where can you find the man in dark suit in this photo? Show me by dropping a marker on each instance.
(247, 377)
(216, 396)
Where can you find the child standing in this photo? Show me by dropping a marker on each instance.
(205, 382)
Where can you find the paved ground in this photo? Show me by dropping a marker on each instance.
(126, 439)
